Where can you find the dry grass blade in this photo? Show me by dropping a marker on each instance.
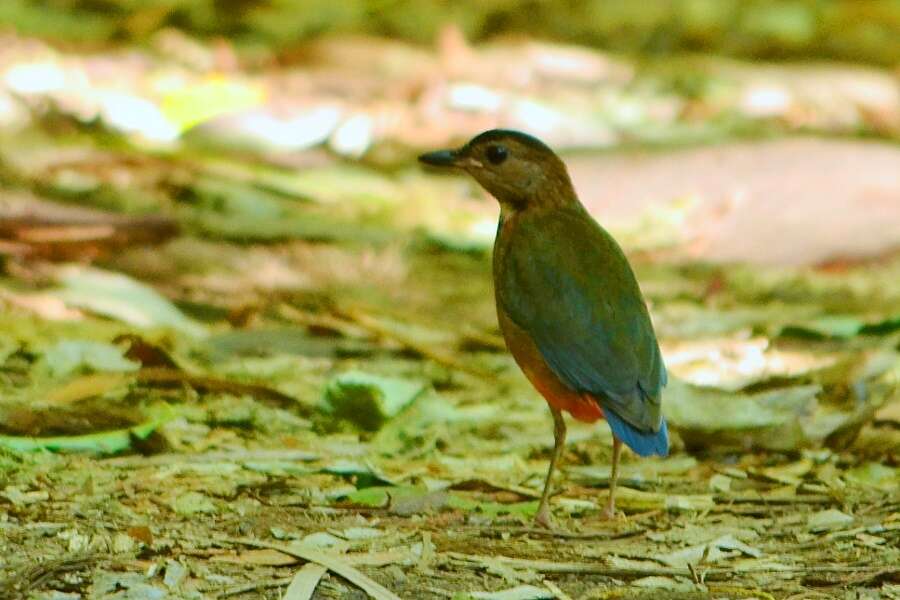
(305, 582)
(332, 562)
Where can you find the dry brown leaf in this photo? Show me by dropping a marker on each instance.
(261, 556)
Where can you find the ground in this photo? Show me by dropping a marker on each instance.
(277, 373)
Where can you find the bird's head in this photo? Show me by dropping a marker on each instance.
(519, 170)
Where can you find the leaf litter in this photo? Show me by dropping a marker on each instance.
(304, 393)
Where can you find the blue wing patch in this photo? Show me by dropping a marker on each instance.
(642, 443)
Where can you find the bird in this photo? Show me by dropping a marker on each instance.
(568, 303)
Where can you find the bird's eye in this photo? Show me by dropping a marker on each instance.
(496, 154)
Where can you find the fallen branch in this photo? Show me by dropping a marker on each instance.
(720, 573)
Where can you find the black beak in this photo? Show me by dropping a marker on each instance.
(440, 158)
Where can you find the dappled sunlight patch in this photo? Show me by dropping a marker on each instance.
(733, 364)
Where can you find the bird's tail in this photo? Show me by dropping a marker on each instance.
(642, 443)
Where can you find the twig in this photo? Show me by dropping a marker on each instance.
(561, 533)
(252, 587)
(379, 329)
(694, 575)
(801, 499)
(549, 566)
(488, 340)
(32, 577)
(324, 321)
(480, 484)
(554, 589)
(820, 541)
(270, 396)
(211, 457)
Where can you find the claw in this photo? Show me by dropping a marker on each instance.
(543, 518)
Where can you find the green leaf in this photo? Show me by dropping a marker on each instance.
(828, 520)
(883, 327)
(362, 475)
(119, 297)
(235, 199)
(193, 503)
(876, 475)
(374, 496)
(106, 442)
(369, 400)
(77, 356)
(832, 326)
(841, 327)
(192, 104)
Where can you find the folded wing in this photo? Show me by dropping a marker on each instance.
(567, 283)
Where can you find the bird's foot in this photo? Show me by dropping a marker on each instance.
(543, 518)
(609, 512)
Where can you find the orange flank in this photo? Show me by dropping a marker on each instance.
(559, 396)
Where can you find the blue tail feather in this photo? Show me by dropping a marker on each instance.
(642, 443)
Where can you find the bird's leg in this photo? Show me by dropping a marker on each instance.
(559, 441)
(610, 511)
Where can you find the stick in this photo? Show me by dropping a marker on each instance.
(549, 566)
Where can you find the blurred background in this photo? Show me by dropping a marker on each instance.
(215, 242)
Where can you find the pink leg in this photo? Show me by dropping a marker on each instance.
(543, 517)
(610, 511)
